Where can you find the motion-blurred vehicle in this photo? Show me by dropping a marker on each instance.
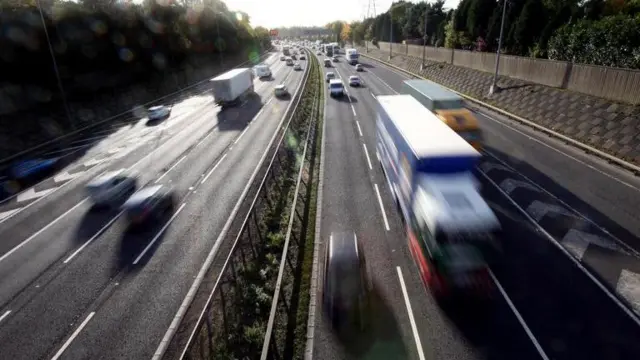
(330, 75)
(359, 67)
(232, 86)
(294, 56)
(149, 203)
(280, 90)
(334, 59)
(25, 170)
(459, 269)
(289, 61)
(283, 58)
(354, 80)
(327, 62)
(297, 66)
(302, 57)
(262, 71)
(347, 283)
(158, 112)
(111, 188)
(336, 87)
(319, 53)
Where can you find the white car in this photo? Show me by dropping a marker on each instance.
(282, 58)
(158, 112)
(354, 80)
(111, 188)
(297, 66)
(280, 90)
(262, 71)
(329, 76)
(359, 67)
(336, 88)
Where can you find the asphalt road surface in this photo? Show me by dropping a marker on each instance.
(566, 285)
(76, 284)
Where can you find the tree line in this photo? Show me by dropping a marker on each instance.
(123, 40)
(598, 32)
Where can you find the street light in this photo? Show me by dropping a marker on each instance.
(390, 31)
(424, 40)
(494, 86)
(55, 69)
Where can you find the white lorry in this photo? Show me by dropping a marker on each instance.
(232, 86)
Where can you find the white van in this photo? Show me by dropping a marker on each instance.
(262, 71)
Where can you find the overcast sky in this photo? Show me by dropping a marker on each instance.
(274, 13)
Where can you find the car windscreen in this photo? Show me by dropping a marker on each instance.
(461, 258)
(336, 86)
(346, 280)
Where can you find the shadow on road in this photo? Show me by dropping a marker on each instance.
(239, 116)
(380, 340)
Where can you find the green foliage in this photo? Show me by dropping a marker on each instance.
(610, 41)
(528, 27)
(122, 42)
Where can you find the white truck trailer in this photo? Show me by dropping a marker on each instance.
(232, 86)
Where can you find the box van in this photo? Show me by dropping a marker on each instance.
(289, 61)
(262, 71)
(336, 88)
(327, 62)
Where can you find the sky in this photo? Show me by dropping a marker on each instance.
(278, 13)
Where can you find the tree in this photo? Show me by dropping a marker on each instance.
(345, 33)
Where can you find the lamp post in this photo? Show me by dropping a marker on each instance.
(424, 40)
(55, 68)
(494, 86)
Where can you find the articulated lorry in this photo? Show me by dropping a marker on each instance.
(452, 232)
(448, 106)
(231, 87)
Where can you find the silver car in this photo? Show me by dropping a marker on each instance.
(280, 90)
(354, 80)
(111, 188)
(297, 66)
(158, 112)
(149, 203)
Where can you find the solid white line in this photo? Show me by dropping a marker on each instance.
(562, 152)
(382, 81)
(158, 234)
(353, 109)
(359, 129)
(519, 317)
(95, 236)
(412, 320)
(5, 315)
(73, 336)
(366, 153)
(384, 214)
(576, 262)
(244, 131)
(27, 240)
(213, 169)
(171, 168)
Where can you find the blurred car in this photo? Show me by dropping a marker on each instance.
(111, 188)
(347, 284)
(149, 203)
(282, 58)
(329, 76)
(359, 67)
(334, 59)
(319, 53)
(336, 87)
(294, 57)
(302, 57)
(29, 169)
(297, 66)
(280, 90)
(459, 269)
(158, 112)
(354, 80)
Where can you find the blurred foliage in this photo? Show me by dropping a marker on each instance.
(600, 32)
(123, 41)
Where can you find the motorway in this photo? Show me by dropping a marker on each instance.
(570, 274)
(75, 284)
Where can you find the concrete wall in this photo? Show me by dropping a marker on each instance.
(615, 84)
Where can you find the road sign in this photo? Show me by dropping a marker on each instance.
(273, 32)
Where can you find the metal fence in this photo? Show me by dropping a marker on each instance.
(259, 282)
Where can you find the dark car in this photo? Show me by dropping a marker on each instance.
(347, 285)
(149, 203)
